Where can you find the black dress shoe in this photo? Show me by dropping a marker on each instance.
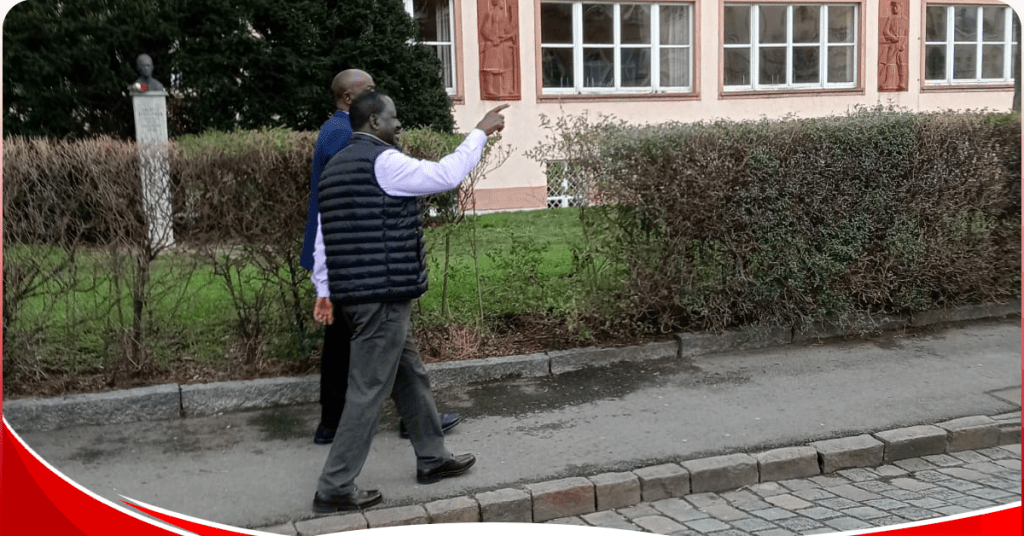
(354, 500)
(455, 466)
(448, 421)
(324, 435)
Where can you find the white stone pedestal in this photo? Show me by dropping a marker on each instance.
(154, 171)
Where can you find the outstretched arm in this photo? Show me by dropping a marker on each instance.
(403, 176)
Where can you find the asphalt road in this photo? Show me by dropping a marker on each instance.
(259, 468)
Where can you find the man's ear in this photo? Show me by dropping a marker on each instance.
(374, 121)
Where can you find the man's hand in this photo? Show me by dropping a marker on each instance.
(323, 311)
(493, 121)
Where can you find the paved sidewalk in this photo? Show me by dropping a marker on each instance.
(914, 489)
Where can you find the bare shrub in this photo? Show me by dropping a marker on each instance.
(77, 240)
(243, 199)
(449, 209)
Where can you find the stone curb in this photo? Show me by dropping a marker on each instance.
(172, 401)
(565, 497)
(208, 399)
(158, 402)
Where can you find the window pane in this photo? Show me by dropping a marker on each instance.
(965, 23)
(675, 67)
(597, 24)
(935, 62)
(965, 62)
(737, 66)
(597, 67)
(773, 24)
(993, 23)
(556, 24)
(840, 24)
(806, 25)
(935, 23)
(557, 67)
(675, 25)
(636, 67)
(992, 61)
(635, 23)
(840, 65)
(444, 53)
(427, 14)
(773, 65)
(806, 65)
(737, 25)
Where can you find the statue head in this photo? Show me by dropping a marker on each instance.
(144, 64)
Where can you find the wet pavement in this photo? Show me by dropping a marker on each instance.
(906, 491)
(259, 468)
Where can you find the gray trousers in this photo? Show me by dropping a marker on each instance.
(384, 360)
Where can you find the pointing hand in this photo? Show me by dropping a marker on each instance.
(493, 121)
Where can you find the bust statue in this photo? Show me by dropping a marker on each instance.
(146, 82)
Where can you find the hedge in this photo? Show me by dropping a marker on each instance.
(776, 222)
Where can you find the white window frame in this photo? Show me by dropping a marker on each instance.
(823, 45)
(655, 47)
(446, 8)
(1008, 45)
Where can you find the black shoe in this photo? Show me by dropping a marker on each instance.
(324, 435)
(448, 421)
(455, 466)
(356, 499)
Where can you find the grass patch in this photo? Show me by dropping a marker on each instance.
(525, 259)
(78, 322)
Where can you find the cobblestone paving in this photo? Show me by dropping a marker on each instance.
(915, 489)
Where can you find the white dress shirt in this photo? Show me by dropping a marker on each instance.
(402, 176)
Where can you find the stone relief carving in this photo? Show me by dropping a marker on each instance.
(893, 28)
(499, 49)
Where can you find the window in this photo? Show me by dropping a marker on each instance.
(616, 48)
(780, 47)
(436, 30)
(969, 44)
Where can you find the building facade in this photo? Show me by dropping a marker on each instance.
(689, 60)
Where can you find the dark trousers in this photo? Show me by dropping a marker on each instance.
(384, 361)
(334, 362)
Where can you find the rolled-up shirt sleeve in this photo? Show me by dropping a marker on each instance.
(403, 176)
(319, 274)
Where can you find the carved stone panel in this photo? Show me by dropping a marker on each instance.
(499, 49)
(893, 45)
(150, 117)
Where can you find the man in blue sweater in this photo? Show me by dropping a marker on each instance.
(335, 135)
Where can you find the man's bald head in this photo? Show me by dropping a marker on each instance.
(349, 84)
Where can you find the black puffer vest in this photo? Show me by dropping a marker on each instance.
(374, 241)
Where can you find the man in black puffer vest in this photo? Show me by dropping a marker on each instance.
(368, 266)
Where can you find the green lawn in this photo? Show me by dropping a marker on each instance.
(524, 260)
